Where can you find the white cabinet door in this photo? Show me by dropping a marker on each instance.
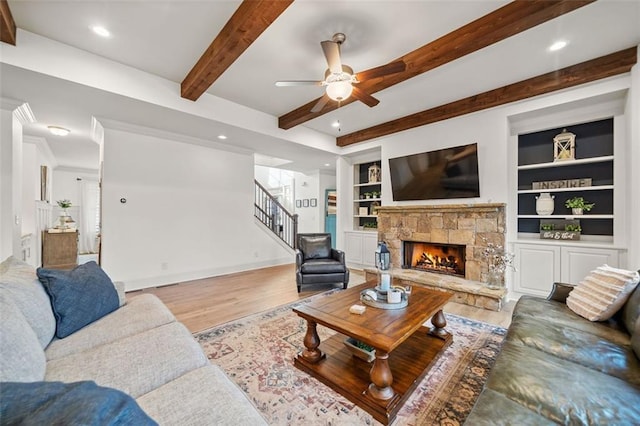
(537, 268)
(577, 262)
(369, 245)
(353, 247)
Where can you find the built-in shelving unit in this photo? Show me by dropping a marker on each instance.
(367, 195)
(594, 160)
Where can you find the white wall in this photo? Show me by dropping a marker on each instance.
(307, 186)
(30, 187)
(188, 212)
(13, 114)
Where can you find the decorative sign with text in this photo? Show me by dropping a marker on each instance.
(565, 183)
(555, 229)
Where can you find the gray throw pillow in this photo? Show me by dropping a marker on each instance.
(78, 297)
(19, 282)
(22, 358)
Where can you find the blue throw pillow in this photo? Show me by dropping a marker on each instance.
(78, 297)
(79, 403)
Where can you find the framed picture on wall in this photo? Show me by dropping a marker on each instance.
(314, 202)
(298, 203)
(305, 202)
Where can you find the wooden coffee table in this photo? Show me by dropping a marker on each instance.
(405, 348)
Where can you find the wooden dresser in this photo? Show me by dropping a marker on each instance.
(60, 250)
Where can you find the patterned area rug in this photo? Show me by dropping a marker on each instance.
(257, 353)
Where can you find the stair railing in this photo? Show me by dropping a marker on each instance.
(274, 216)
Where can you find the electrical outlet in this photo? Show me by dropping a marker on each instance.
(256, 254)
(164, 266)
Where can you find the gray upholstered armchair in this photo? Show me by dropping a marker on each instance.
(318, 263)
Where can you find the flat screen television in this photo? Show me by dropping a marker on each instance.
(444, 173)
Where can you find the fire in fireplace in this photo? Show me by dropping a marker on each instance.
(440, 258)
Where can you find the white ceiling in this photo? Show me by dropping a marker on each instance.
(167, 37)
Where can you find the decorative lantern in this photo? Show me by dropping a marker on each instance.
(374, 173)
(383, 262)
(564, 146)
(383, 257)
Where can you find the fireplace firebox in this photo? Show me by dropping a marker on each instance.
(434, 257)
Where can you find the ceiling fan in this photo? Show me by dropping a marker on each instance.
(339, 79)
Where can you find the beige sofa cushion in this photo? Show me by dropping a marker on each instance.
(136, 364)
(141, 313)
(205, 396)
(19, 280)
(21, 356)
(602, 292)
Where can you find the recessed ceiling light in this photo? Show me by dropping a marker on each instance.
(335, 123)
(58, 131)
(327, 164)
(222, 137)
(560, 44)
(100, 30)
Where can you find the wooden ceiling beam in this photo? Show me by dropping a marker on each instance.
(7, 24)
(507, 21)
(595, 69)
(247, 23)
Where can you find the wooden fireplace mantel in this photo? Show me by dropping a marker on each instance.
(479, 207)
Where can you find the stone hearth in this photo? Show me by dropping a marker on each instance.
(473, 225)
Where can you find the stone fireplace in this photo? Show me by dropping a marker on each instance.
(459, 231)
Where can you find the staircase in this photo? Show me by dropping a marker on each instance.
(274, 216)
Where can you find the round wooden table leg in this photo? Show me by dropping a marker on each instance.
(381, 377)
(311, 342)
(439, 322)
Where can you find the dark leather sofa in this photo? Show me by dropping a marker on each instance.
(556, 367)
(318, 263)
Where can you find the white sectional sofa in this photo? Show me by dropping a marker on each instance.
(139, 349)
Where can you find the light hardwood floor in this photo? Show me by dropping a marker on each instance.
(205, 303)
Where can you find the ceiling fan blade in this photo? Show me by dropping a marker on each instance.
(382, 70)
(298, 83)
(331, 51)
(321, 103)
(364, 97)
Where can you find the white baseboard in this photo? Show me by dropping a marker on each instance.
(159, 281)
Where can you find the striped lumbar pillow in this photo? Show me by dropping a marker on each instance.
(602, 293)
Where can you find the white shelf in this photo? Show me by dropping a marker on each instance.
(599, 241)
(367, 184)
(365, 215)
(582, 188)
(367, 199)
(566, 163)
(569, 217)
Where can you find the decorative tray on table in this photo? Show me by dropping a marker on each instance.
(381, 299)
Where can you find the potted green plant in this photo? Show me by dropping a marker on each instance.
(578, 205)
(64, 205)
(547, 227)
(371, 225)
(367, 195)
(572, 228)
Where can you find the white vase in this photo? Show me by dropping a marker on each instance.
(576, 211)
(544, 204)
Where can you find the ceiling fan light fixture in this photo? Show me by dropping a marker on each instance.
(58, 131)
(339, 90)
